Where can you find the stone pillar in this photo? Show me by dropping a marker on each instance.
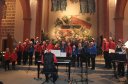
(98, 34)
(119, 28)
(26, 18)
(38, 18)
(106, 19)
(2, 3)
(46, 12)
(27, 27)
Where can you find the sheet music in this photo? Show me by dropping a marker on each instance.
(126, 44)
(56, 52)
(111, 51)
(63, 54)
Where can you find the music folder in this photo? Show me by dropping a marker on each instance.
(63, 54)
(111, 51)
(58, 53)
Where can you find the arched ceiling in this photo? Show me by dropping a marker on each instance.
(120, 8)
(26, 8)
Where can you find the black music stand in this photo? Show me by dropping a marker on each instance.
(118, 58)
(114, 62)
(126, 82)
(38, 72)
(84, 72)
(29, 68)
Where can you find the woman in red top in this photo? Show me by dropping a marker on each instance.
(38, 50)
(105, 49)
(7, 58)
(69, 50)
(13, 59)
(56, 47)
(50, 45)
(44, 46)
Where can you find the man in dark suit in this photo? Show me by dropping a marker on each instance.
(49, 69)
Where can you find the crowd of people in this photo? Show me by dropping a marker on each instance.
(30, 51)
(114, 55)
(78, 51)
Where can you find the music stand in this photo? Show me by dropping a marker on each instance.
(126, 46)
(29, 68)
(38, 69)
(84, 72)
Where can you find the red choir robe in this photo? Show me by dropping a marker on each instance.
(25, 47)
(38, 48)
(44, 46)
(56, 47)
(13, 57)
(19, 48)
(7, 56)
(69, 50)
(112, 45)
(50, 46)
(105, 46)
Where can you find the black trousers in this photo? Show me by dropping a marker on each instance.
(25, 57)
(13, 65)
(50, 73)
(93, 56)
(19, 54)
(121, 69)
(107, 59)
(78, 59)
(53, 75)
(73, 60)
(30, 58)
(6, 65)
(37, 57)
(85, 58)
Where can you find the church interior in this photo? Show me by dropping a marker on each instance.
(29, 22)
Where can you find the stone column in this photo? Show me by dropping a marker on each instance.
(106, 19)
(27, 27)
(38, 18)
(119, 27)
(2, 3)
(46, 14)
(26, 18)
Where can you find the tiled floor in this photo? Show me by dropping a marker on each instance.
(26, 75)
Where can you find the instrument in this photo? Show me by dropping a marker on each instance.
(58, 63)
(118, 57)
(118, 60)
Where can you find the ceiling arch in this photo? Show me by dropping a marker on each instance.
(119, 18)
(26, 8)
(120, 8)
(25, 4)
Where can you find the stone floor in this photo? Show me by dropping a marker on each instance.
(28, 75)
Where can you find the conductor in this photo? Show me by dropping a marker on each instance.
(49, 69)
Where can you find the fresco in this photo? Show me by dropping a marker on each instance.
(72, 27)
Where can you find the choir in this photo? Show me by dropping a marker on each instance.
(78, 51)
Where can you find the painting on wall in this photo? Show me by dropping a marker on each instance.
(71, 27)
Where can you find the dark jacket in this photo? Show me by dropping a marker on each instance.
(48, 60)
